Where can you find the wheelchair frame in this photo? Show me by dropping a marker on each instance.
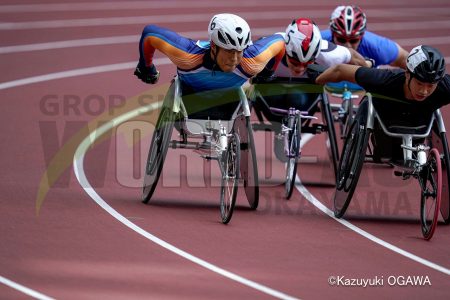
(416, 163)
(232, 146)
(321, 103)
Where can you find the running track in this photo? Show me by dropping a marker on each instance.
(66, 72)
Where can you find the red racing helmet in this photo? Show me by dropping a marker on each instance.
(303, 40)
(348, 21)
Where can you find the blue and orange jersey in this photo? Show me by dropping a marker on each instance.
(194, 64)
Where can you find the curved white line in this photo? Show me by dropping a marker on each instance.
(24, 289)
(77, 72)
(313, 200)
(129, 65)
(128, 39)
(81, 177)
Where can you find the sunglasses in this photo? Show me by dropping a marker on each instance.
(344, 40)
(297, 63)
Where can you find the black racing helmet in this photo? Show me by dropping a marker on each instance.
(426, 64)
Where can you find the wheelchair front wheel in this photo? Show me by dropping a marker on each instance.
(291, 165)
(157, 153)
(431, 185)
(230, 163)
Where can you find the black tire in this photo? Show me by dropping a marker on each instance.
(431, 191)
(332, 146)
(350, 166)
(248, 162)
(230, 164)
(291, 165)
(157, 152)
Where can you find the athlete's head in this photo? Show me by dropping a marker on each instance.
(229, 35)
(425, 68)
(347, 25)
(302, 44)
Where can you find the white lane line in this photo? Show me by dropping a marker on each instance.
(314, 201)
(82, 179)
(89, 71)
(113, 40)
(24, 289)
(93, 70)
(128, 39)
(195, 18)
(125, 5)
(67, 74)
(77, 72)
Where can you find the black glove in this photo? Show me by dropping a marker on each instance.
(262, 79)
(147, 74)
(265, 76)
(313, 71)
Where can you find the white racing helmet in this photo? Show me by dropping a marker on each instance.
(230, 32)
(303, 40)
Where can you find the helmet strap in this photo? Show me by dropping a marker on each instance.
(214, 56)
(409, 81)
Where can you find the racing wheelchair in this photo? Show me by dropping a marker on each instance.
(422, 154)
(220, 133)
(288, 122)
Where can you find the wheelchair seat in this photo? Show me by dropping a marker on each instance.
(213, 105)
(408, 130)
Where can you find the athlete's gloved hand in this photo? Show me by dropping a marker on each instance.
(314, 70)
(262, 79)
(147, 74)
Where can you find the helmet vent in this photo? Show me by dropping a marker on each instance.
(230, 39)
(221, 38)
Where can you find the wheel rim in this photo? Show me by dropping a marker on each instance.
(157, 152)
(431, 194)
(291, 165)
(347, 158)
(230, 176)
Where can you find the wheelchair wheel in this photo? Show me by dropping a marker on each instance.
(248, 164)
(158, 151)
(230, 162)
(350, 165)
(332, 146)
(431, 185)
(439, 141)
(291, 165)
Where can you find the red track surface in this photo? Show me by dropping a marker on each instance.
(65, 246)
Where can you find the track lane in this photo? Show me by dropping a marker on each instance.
(273, 211)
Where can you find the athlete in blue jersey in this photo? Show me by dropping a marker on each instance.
(348, 28)
(227, 60)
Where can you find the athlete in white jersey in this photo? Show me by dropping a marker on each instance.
(304, 46)
(329, 55)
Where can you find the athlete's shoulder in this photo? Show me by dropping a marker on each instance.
(375, 39)
(326, 34)
(164, 36)
(274, 41)
(332, 54)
